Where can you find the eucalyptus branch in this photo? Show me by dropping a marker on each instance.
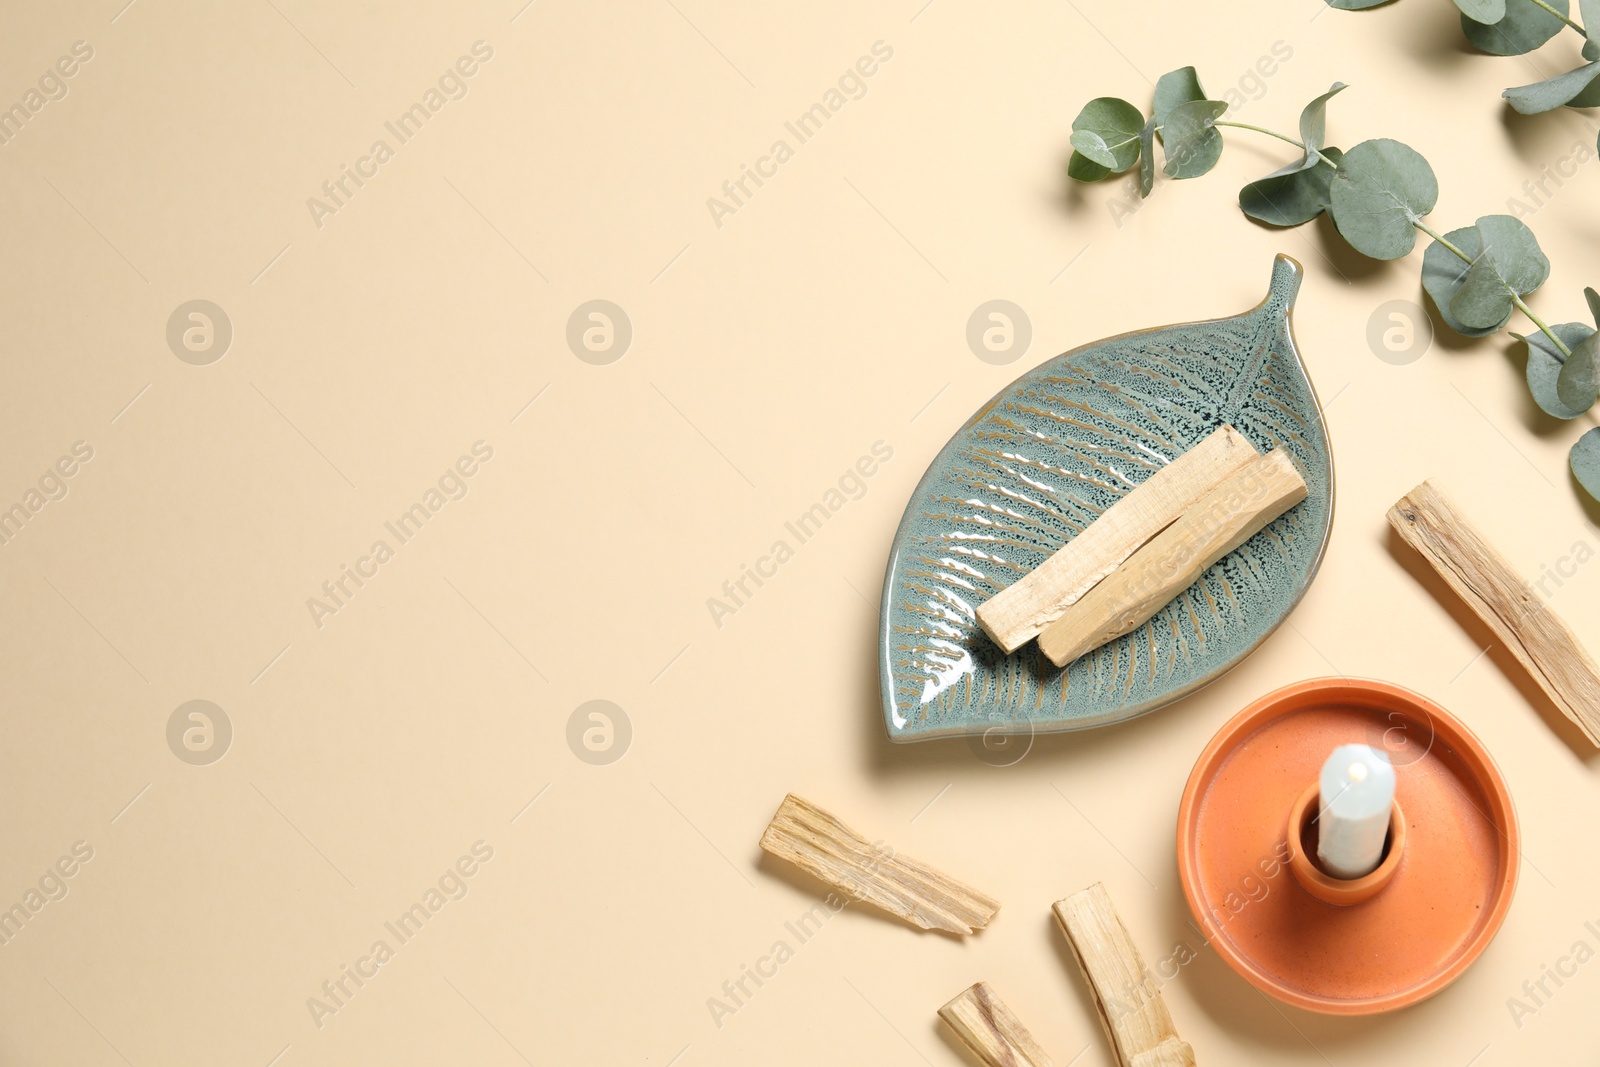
(1519, 29)
(1377, 195)
(1516, 297)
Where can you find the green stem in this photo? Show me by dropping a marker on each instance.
(1559, 15)
(1516, 298)
(1566, 353)
(1258, 129)
(1271, 133)
(1437, 236)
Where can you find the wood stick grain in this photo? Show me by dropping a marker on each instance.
(990, 1029)
(1220, 521)
(818, 843)
(1016, 614)
(1126, 994)
(1518, 617)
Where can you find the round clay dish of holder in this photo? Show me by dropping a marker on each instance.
(1440, 902)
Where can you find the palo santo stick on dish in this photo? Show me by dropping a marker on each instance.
(1016, 614)
(1219, 522)
(991, 1031)
(1480, 576)
(820, 844)
(1170, 1053)
(1125, 992)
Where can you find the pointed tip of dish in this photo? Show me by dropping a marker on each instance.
(1287, 274)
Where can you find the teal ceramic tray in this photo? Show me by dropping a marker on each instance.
(1038, 463)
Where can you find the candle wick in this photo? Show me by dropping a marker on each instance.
(1358, 772)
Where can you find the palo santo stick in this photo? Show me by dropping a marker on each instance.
(1016, 614)
(1125, 992)
(1522, 621)
(1221, 521)
(820, 844)
(1170, 1053)
(991, 1031)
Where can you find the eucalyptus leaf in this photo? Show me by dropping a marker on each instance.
(1443, 273)
(1589, 97)
(1107, 131)
(1589, 11)
(1292, 194)
(1544, 366)
(1585, 460)
(1356, 5)
(1083, 169)
(1147, 158)
(1484, 11)
(1515, 251)
(1551, 94)
(1510, 265)
(1176, 87)
(1314, 122)
(1379, 192)
(1483, 301)
(1193, 144)
(1382, 188)
(1525, 27)
(1578, 384)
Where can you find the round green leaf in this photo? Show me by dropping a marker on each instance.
(1594, 303)
(1193, 144)
(1485, 11)
(1511, 263)
(1443, 274)
(1080, 168)
(1525, 27)
(1483, 301)
(1551, 94)
(1382, 188)
(1107, 131)
(1291, 195)
(1591, 51)
(1516, 252)
(1544, 366)
(1585, 460)
(1176, 87)
(1578, 384)
(1356, 5)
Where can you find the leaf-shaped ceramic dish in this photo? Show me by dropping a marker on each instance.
(1038, 463)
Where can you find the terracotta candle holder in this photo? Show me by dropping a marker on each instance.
(1247, 850)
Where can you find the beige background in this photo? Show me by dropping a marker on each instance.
(767, 355)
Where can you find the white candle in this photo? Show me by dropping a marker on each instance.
(1357, 796)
